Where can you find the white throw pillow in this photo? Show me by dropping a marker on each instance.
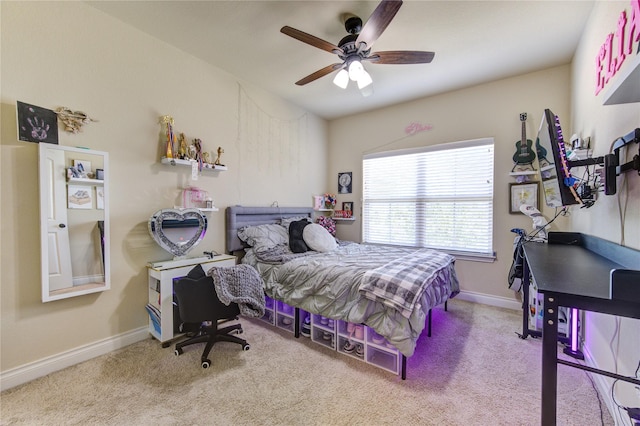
(318, 238)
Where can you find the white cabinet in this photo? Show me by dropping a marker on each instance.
(161, 278)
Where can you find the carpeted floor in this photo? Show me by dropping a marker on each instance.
(474, 370)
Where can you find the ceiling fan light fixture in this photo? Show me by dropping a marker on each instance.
(341, 79)
(355, 70)
(364, 80)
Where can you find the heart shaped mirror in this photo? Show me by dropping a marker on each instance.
(178, 231)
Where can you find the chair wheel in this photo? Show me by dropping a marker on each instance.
(206, 363)
(178, 352)
(246, 347)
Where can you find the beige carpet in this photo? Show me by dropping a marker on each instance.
(474, 370)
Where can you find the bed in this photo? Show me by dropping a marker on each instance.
(336, 284)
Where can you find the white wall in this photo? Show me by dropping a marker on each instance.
(69, 54)
(614, 343)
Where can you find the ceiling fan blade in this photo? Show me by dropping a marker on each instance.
(401, 57)
(320, 73)
(309, 39)
(378, 22)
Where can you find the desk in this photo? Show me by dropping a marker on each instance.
(575, 275)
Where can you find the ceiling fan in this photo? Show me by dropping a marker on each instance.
(356, 48)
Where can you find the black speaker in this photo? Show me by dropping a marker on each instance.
(566, 238)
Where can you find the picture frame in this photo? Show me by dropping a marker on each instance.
(345, 182)
(83, 167)
(36, 124)
(99, 197)
(80, 197)
(523, 193)
(347, 206)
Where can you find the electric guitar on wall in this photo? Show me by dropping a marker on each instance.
(525, 155)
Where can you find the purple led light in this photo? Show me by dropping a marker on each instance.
(574, 330)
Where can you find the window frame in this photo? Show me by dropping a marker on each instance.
(488, 256)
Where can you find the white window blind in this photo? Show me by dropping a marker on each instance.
(438, 197)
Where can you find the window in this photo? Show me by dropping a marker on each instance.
(437, 197)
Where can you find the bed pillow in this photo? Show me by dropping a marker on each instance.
(264, 237)
(296, 240)
(286, 221)
(318, 238)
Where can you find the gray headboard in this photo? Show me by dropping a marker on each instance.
(238, 217)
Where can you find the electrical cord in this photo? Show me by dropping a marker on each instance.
(593, 385)
(529, 237)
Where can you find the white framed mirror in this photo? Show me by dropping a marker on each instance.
(74, 221)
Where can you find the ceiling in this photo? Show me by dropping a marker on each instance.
(474, 41)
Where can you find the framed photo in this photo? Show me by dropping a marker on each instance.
(347, 206)
(80, 197)
(99, 198)
(344, 183)
(523, 193)
(37, 124)
(83, 167)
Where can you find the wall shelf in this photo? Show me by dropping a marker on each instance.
(85, 181)
(202, 209)
(187, 163)
(626, 90)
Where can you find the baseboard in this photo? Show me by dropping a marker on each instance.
(40, 368)
(485, 299)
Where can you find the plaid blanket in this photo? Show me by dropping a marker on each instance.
(400, 283)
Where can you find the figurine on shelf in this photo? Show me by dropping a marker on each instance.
(197, 143)
(191, 152)
(220, 152)
(182, 151)
(206, 159)
(170, 149)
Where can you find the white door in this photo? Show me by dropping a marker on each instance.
(53, 198)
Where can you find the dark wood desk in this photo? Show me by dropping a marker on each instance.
(575, 274)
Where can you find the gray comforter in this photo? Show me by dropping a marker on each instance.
(338, 285)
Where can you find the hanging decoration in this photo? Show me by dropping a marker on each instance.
(73, 120)
(270, 144)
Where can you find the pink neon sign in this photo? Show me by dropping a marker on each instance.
(617, 46)
(415, 127)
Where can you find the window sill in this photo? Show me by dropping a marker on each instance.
(459, 255)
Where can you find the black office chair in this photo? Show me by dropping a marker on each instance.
(198, 303)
